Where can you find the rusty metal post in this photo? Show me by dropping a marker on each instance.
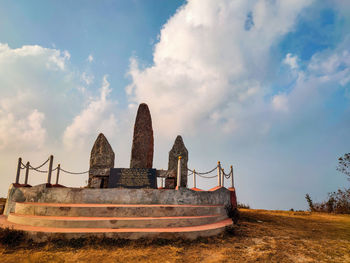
(219, 173)
(178, 183)
(18, 170)
(50, 170)
(27, 173)
(222, 177)
(58, 173)
(194, 178)
(232, 181)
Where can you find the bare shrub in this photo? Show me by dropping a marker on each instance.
(244, 206)
(337, 202)
(11, 237)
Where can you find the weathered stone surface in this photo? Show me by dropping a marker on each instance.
(142, 145)
(102, 155)
(135, 178)
(98, 182)
(43, 194)
(166, 173)
(179, 149)
(101, 160)
(170, 183)
(169, 178)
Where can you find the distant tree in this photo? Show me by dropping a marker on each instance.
(339, 201)
(310, 203)
(344, 165)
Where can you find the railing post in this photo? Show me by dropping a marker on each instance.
(27, 174)
(232, 182)
(18, 169)
(222, 177)
(219, 173)
(50, 170)
(194, 178)
(178, 183)
(58, 173)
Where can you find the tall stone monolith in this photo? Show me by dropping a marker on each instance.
(179, 149)
(142, 144)
(101, 161)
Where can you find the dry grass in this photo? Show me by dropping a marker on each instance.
(264, 236)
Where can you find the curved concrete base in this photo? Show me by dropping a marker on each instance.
(42, 234)
(113, 222)
(116, 210)
(44, 194)
(45, 212)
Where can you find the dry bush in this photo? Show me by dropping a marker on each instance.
(11, 237)
(244, 206)
(337, 202)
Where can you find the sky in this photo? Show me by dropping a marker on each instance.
(263, 85)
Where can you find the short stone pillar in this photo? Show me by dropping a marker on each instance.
(101, 161)
(179, 149)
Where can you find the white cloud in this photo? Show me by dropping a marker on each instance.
(325, 73)
(291, 61)
(90, 58)
(53, 59)
(280, 102)
(208, 61)
(95, 118)
(41, 93)
(21, 132)
(88, 79)
(33, 83)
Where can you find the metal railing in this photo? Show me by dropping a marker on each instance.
(28, 167)
(220, 174)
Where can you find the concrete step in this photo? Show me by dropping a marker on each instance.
(113, 222)
(40, 234)
(116, 210)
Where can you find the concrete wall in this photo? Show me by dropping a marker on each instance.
(43, 194)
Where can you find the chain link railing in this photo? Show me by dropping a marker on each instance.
(227, 176)
(73, 172)
(220, 174)
(49, 171)
(41, 165)
(37, 169)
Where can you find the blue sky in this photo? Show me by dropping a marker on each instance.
(263, 85)
(111, 31)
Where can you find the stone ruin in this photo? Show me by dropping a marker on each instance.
(101, 162)
(142, 211)
(142, 143)
(140, 174)
(178, 149)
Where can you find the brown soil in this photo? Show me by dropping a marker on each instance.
(264, 236)
(2, 205)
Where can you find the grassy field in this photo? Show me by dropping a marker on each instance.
(264, 236)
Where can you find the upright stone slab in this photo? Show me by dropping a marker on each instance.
(101, 161)
(179, 149)
(142, 144)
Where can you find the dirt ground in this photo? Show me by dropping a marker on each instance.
(261, 235)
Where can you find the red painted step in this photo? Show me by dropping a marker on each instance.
(220, 224)
(111, 205)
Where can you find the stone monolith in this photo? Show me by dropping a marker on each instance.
(101, 161)
(142, 144)
(179, 149)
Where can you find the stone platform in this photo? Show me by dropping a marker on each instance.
(45, 212)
